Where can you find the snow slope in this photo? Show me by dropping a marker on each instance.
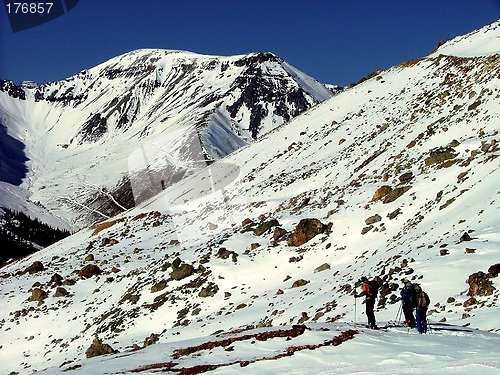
(402, 165)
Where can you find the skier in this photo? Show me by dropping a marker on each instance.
(422, 301)
(369, 290)
(407, 301)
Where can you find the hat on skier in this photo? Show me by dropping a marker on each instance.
(364, 279)
(409, 284)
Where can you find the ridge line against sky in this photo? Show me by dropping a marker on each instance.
(335, 41)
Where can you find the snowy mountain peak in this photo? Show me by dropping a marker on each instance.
(106, 113)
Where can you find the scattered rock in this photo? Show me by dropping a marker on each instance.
(89, 271)
(181, 272)
(35, 267)
(381, 192)
(209, 291)
(279, 292)
(158, 286)
(98, 348)
(394, 213)
(56, 279)
(299, 283)
(61, 292)
(405, 177)
(373, 219)
(246, 222)
(89, 258)
(151, 340)
(305, 230)
(450, 300)
(254, 245)
(443, 252)
(395, 194)
(323, 267)
(465, 237)
(265, 226)
(469, 251)
(38, 295)
(471, 301)
(494, 270)
(440, 154)
(366, 229)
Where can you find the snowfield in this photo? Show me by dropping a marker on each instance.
(250, 265)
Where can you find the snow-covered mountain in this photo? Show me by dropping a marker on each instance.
(75, 137)
(395, 177)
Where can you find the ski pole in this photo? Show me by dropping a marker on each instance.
(398, 315)
(355, 311)
(428, 325)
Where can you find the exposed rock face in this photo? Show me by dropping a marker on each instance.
(98, 348)
(305, 230)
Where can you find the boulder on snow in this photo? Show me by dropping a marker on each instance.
(494, 270)
(98, 348)
(35, 267)
(480, 285)
(265, 226)
(38, 295)
(184, 270)
(89, 270)
(299, 283)
(61, 292)
(305, 230)
(373, 219)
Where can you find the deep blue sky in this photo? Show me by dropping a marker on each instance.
(335, 41)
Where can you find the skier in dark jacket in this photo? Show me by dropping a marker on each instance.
(369, 290)
(407, 301)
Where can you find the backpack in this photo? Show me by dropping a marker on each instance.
(423, 300)
(373, 288)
